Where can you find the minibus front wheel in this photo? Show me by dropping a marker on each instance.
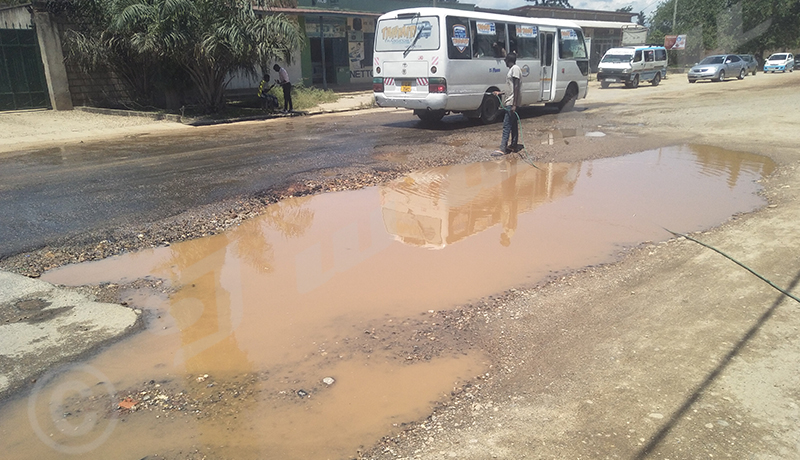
(570, 95)
(490, 109)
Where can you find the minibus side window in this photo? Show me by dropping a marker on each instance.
(661, 55)
(649, 55)
(571, 44)
(638, 56)
(489, 38)
(459, 42)
(523, 39)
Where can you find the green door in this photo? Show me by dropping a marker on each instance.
(22, 80)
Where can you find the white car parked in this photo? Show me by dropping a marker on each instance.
(779, 61)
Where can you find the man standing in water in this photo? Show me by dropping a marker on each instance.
(513, 99)
(283, 79)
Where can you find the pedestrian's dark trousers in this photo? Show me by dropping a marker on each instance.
(510, 127)
(287, 96)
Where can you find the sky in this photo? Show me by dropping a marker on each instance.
(648, 6)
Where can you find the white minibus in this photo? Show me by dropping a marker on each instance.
(632, 65)
(439, 60)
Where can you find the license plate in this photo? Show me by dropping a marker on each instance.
(612, 80)
(405, 86)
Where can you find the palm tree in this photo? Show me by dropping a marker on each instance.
(206, 39)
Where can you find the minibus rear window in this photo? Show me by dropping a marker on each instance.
(419, 33)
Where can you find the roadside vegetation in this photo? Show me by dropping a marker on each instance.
(757, 27)
(166, 50)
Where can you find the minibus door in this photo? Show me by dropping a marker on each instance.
(546, 42)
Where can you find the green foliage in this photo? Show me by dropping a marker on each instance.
(205, 40)
(725, 26)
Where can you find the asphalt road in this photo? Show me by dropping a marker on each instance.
(56, 193)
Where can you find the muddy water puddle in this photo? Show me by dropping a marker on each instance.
(315, 329)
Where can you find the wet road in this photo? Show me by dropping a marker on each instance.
(50, 194)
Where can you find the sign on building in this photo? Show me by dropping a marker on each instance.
(635, 35)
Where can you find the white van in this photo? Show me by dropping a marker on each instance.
(633, 64)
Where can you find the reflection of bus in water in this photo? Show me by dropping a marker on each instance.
(441, 206)
(440, 60)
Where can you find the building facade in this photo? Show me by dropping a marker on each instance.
(339, 36)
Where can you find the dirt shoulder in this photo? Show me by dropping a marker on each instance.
(674, 351)
(28, 129)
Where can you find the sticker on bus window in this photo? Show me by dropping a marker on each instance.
(460, 38)
(485, 28)
(526, 31)
(568, 34)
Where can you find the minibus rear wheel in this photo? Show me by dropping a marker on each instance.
(490, 109)
(656, 80)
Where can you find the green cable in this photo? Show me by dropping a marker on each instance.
(737, 263)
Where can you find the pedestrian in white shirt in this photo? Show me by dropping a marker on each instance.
(513, 99)
(283, 80)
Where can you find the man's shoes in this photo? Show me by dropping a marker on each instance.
(499, 153)
(517, 147)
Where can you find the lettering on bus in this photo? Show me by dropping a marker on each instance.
(407, 32)
(524, 31)
(460, 38)
(485, 28)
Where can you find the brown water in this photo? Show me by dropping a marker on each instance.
(344, 285)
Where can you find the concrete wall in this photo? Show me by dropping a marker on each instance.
(53, 60)
(15, 17)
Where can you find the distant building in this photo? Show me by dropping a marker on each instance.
(342, 55)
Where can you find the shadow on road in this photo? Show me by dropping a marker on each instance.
(659, 437)
(456, 122)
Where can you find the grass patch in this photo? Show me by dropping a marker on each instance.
(306, 98)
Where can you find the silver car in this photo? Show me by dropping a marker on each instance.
(718, 67)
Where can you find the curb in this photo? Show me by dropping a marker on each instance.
(204, 122)
(130, 113)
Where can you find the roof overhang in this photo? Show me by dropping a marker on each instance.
(317, 12)
(607, 24)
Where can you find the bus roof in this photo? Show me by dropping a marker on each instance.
(430, 11)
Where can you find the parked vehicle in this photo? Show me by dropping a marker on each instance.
(632, 65)
(441, 60)
(751, 63)
(779, 61)
(717, 68)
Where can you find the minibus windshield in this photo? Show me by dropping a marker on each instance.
(615, 58)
